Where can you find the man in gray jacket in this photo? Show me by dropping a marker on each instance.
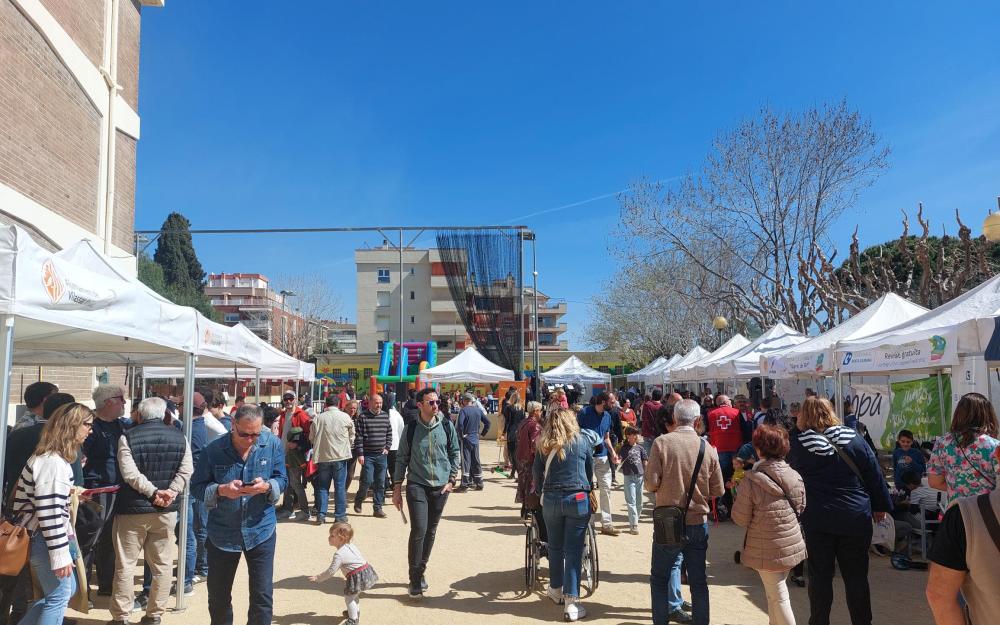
(332, 436)
(429, 456)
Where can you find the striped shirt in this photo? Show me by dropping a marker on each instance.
(42, 502)
(819, 444)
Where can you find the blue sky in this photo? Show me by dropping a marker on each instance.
(273, 114)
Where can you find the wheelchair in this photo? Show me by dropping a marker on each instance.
(535, 550)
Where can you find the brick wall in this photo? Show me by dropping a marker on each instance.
(128, 51)
(49, 131)
(124, 218)
(77, 381)
(83, 20)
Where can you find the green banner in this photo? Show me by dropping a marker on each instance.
(916, 406)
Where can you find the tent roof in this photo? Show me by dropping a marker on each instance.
(575, 371)
(636, 376)
(655, 374)
(469, 366)
(695, 370)
(815, 356)
(746, 362)
(961, 326)
(73, 307)
(696, 354)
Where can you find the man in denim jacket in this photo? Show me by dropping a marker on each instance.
(240, 478)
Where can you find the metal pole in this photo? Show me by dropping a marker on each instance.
(256, 387)
(944, 428)
(182, 529)
(7, 358)
(838, 399)
(520, 304)
(400, 294)
(534, 287)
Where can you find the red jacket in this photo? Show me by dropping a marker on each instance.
(724, 432)
(300, 419)
(648, 417)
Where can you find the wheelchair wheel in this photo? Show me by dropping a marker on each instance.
(591, 572)
(531, 555)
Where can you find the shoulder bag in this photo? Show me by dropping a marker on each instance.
(533, 500)
(15, 539)
(670, 522)
(989, 518)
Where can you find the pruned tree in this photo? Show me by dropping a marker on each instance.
(928, 270)
(761, 206)
(311, 302)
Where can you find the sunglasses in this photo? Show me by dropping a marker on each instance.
(432, 402)
(246, 434)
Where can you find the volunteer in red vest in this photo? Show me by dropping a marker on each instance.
(724, 433)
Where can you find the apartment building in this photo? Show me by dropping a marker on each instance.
(428, 312)
(341, 335)
(247, 298)
(69, 127)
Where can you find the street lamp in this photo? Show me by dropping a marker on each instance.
(991, 226)
(720, 323)
(284, 318)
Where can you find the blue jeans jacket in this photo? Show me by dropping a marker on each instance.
(571, 474)
(240, 524)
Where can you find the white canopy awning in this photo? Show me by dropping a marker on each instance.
(666, 375)
(575, 371)
(745, 363)
(469, 366)
(815, 357)
(654, 374)
(934, 340)
(699, 370)
(636, 376)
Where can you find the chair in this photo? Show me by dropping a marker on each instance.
(927, 527)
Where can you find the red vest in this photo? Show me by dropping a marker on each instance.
(724, 429)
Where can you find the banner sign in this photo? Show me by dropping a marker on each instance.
(872, 404)
(938, 350)
(916, 406)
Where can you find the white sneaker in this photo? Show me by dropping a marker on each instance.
(555, 594)
(574, 610)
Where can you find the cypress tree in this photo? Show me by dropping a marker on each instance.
(175, 271)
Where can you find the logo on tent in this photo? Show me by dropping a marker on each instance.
(847, 358)
(52, 282)
(938, 344)
(819, 363)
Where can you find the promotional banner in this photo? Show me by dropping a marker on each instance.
(939, 350)
(872, 404)
(917, 406)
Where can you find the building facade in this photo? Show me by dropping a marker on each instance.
(428, 311)
(69, 128)
(341, 336)
(247, 298)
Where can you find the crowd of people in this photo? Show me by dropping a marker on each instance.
(99, 489)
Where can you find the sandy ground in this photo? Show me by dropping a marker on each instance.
(476, 575)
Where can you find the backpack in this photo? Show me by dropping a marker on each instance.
(411, 430)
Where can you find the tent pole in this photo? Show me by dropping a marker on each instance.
(143, 385)
(6, 358)
(182, 530)
(256, 387)
(940, 385)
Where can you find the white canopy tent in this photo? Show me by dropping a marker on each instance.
(745, 363)
(654, 375)
(575, 371)
(693, 371)
(636, 376)
(469, 366)
(665, 376)
(815, 357)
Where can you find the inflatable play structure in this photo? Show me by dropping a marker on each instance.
(403, 362)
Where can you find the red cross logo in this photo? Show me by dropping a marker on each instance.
(723, 422)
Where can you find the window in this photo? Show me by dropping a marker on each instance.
(413, 319)
(336, 371)
(545, 338)
(353, 373)
(413, 295)
(368, 373)
(444, 343)
(383, 275)
(232, 318)
(411, 271)
(382, 299)
(382, 323)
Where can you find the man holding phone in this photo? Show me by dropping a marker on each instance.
(240, 478)
(428, 457)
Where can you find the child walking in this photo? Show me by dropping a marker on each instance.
(359, 574)
(634, 458)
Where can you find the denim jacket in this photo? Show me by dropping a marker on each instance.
(571, 474)
(240, 524)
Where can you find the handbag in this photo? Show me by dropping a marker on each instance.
(883, 532)
(670, 522)
(989, 518)
(15, 541)
(533, 500)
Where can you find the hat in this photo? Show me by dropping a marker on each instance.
(288, 394)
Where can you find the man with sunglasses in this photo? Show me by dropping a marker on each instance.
(240, 479)
(428, 458)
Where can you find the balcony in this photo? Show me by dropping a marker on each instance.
(550, 308)
(257, 325)
(443, 305)
(448, 329)
(439, 282)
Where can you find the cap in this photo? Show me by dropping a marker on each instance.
(288, 394)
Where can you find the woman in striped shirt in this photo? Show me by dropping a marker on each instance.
(42, 503)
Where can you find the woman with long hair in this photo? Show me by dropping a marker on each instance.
(845, 490)
(513, 416)
(563, 466)
(42, 504)
(964, 462)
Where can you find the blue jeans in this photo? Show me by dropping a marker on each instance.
(199, 519)
(260, 569)
(665, 573)
(372, 474)
(332, 473)
(633, 498)
(566, 518)
(48, 610)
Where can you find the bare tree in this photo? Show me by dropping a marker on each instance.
(310, 302)
(760, 210)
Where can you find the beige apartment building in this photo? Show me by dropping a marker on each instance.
(69, 126)
(428, 310)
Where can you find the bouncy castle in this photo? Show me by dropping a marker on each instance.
(403, 362)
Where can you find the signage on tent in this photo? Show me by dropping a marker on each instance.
(930, 352)
(66, 293)
(52, 282)
(871, 403)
